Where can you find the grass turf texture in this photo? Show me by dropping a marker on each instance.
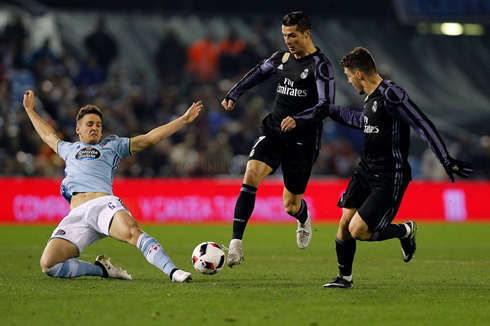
(447, 283)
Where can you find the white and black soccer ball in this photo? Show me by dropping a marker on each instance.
(208, 258)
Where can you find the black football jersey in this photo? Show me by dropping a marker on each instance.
(386, 120)
(303, 85)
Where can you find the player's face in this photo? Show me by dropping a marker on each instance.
(89, 128)
(354, 80)
(295, 40)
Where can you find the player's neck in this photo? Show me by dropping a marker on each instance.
(372, 83)
(307, 51)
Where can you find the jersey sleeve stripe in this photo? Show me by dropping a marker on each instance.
(420, 123)
(326, 92)
(258, 74)
(57, 142)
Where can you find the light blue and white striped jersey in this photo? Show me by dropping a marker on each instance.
(91, 168)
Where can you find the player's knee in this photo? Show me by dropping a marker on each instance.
(134, 234)
(358, 233)
(291, 209)
(252, 177)
(47, 264)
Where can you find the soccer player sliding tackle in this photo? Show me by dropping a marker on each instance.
(95, 213)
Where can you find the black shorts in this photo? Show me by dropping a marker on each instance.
(296, 161)
(376, 196)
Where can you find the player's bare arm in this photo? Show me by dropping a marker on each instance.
(47, 133)
(158, 134)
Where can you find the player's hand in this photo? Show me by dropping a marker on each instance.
(463, 169)
(228, 104)
(192, 112)
(288, 124)
(29, 100)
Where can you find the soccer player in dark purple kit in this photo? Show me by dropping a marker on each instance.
(290, 135)
(375, 191)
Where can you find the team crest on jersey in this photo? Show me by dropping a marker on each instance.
(87, 154)
(304, 74)
(375, 107)
(285, 57)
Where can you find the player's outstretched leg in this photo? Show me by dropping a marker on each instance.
(235, 253)
(74, 268)
(110, 270)
(408, 242)
(156, 256)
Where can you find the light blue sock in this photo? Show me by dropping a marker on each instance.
(154, 253)
(74, 268)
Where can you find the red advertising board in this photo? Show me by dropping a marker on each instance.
(37, 200)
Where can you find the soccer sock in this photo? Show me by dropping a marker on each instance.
(302, 214)
(155, 254)
(74, 268)
(243, 210)
(389, 232)
(346, 249)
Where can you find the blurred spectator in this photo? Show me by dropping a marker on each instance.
(230, 50)
(42, 54)
(430, 168)
(203, 59)
(249, 57)
(170, 58)
(21, 79)
(102, 46)
(217, 143)
(16, 36)
(482, 159)
(463, 149)
(90, 72)
(184, 157)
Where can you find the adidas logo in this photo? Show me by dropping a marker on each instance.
(280, 67)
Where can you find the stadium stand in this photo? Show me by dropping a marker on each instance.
(46, 50)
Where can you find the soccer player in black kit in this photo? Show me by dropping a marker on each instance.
(375, 191)
(290, 135)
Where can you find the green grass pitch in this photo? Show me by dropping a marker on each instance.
(447, 283)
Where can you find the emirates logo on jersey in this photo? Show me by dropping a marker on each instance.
(368, 129)
(87, 154)
(289, 89)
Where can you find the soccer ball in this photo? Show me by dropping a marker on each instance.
(208, 258)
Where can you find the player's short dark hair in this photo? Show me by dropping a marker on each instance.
(297, 18)
(359, 59)
(88, 109)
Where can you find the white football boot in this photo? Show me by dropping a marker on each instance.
(180, 276)
(110, 270)
(303, 233)
(235, 253)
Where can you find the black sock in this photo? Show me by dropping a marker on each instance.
(243, 210)
(302, 214)
(346, 249)
(389, 232)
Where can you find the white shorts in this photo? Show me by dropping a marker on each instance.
(89, 222)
